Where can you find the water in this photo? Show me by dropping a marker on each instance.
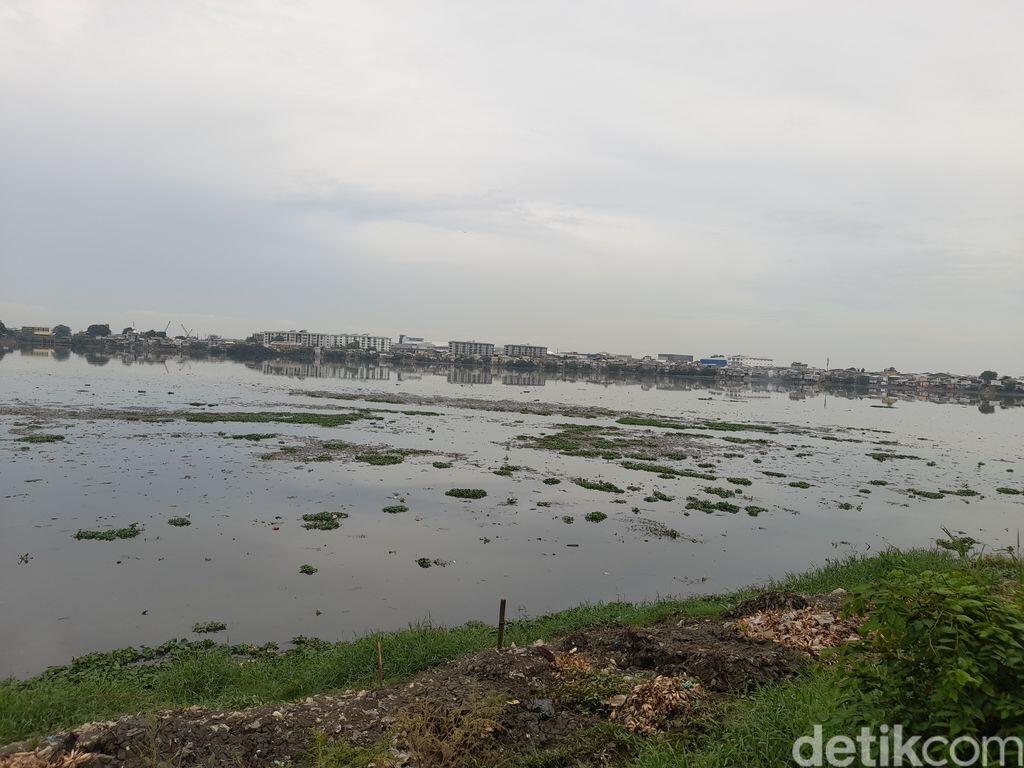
(239, 560)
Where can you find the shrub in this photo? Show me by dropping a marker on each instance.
(941, 652)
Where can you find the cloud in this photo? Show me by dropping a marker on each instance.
(794, 179)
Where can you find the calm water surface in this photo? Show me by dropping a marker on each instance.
(238, 562)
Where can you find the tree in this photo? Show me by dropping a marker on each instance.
(989, 376)
(3, 329)
(98, 330)
(128, 330)
(61, 331)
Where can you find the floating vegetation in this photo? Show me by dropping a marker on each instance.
(738, 481)
(511, 501)
(754, 510)
(597, 485)
(879, 482)
(256, 436)
(925, 494)
(965, 491)
(889, 456)
(130, 532)
(731, 426)
(568, 519)
(703, 505)
(465, 493)
(595, 517)
(742, 440)
(323, 521)
(715, 490)
(647, 467)
(770, 473)
(639, 421)
(543, 503)
(206, 627)
(426, 562)
(41, 438)
(307, 569)
(845, 505)
(179, 522)
(442, 465)
(380, 459)
(1010, 491)
(395, 509)
(551, 481)
(658, 496)
(337, 445)
(280, 417)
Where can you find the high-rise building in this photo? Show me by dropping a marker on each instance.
(470, 348)
(525, 350)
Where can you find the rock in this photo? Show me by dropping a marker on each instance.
(544, 707)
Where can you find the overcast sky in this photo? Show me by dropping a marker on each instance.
(795, 180)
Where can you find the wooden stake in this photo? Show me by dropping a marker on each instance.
(380, 666)
(501, 623)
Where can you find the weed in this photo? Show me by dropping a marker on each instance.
(41, 438)
(770, 473)
(754, 511)
(658, 496)
(380, 459)
(551, 481)
(130, 532)
(595, 517)
(465, 493)
(208, 627)
(395, 509)
(442, 465)
(179, 522)
(888, 456)
(597, 485)
(445, 736)
(799, 484)
(323, 521)
(568, 519)
(715, 490)
(264, 417)
(925, 494)
(738, 481)
(1010, 491)
(307, 569)
(254, 436)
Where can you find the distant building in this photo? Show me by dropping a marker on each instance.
(751, 362)
(714, 360)
(406, 339)
(470, 348)
(36, 330)
(525, 350)
(668, 358)
(363, 341)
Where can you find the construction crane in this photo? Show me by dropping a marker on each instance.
(166, 327)
(188, 333)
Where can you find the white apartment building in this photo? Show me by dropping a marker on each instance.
(525, 350)
(330, 340)
(468, 348)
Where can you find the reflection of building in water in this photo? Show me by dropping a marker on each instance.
(313, 371)
(671, 358)
(469, 376)
(524, 378)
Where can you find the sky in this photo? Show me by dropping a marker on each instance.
(798, 180)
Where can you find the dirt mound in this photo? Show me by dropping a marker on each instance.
(768, 601)
(712, 652)
(513, 702)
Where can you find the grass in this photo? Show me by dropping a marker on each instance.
(466, 493)
(110, 534)
(103, 686)
(41, 438)
(597, 485)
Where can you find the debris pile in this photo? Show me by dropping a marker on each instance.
(650, 705)
(810, 630)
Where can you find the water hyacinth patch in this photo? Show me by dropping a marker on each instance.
(465, 493)
(130, 532)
